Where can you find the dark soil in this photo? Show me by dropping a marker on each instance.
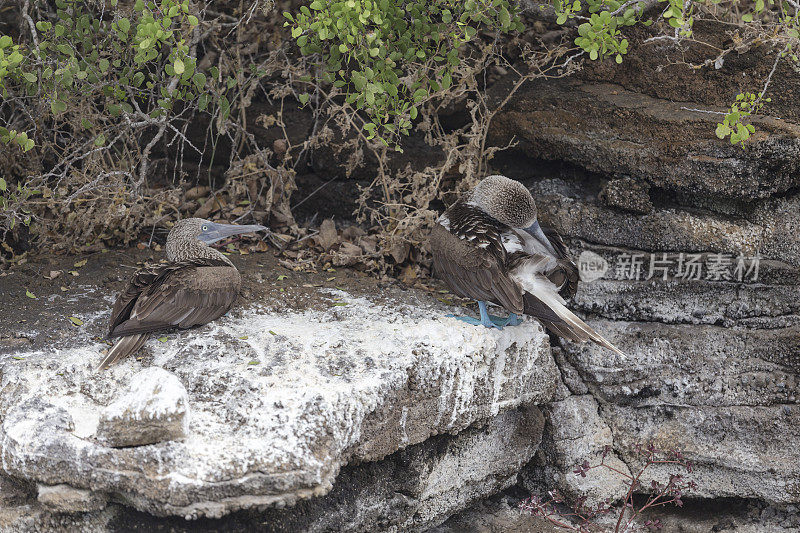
(34, 323)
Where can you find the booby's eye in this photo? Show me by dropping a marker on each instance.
(205, 227)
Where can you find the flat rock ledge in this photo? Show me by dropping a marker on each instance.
(264, 408)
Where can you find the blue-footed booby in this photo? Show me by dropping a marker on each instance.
(489, 246)
(198, 284)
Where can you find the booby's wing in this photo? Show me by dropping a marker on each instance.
(468, 255)
(565, 275)
(181, 294)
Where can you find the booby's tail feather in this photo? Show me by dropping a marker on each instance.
(576, 329)
(123, 347)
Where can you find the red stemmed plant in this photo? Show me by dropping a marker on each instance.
(582, 518)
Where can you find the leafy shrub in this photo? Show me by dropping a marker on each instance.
(388, 56)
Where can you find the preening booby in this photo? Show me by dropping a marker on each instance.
(489, 246)
(196, 286)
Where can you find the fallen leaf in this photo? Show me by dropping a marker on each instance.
(196, 192)
(400, 251)
(243, 337)
(29, 294)
(80, 263)
(282, 277)
(260, 246)
(53, 274)
(162, 339)
(63, 289)
(73, 272)
(351, 233)
(254, 363)
(272, 332)
(17, 358)
(75, 320)
(331, 279)
(327, 236)
(408, 275)
(339, 304)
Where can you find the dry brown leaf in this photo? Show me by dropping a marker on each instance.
(196, 192)
(327, 236)
(400, 251)
(352, 233)
(408, 275)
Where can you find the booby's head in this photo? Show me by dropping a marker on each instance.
(511, 203)
(188, 233)
(206, 231)
(505, 200)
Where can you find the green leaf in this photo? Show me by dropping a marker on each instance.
(57, 106)
(304, 98)
(179, 67)
(30, 76)
(722, 131)
(5, 41)
(193, 20)
(3, 185)
(103, 65)
(100, 140)
(124, 25)
(75, 320)
(29, 294)
(505, 18)
(199, 80)
(162, 339)
(747, 17)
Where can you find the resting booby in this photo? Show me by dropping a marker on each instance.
(488, 246)
(196, 286)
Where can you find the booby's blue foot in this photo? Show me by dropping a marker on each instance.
(512, 320)
(486, 318)
(467, 319)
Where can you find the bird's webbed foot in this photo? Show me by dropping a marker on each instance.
(467, 319)
(512, 320)
(486, 320)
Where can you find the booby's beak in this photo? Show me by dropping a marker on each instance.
(213, 232)
(536, 231)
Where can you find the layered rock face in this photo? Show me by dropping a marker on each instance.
(698, 248)
(261, 410)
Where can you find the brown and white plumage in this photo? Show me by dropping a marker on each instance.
(488, 246)
(198, 285)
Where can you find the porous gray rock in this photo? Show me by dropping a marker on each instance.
(576, 433)
(152, 409)
(419, 487)
(66, 499)
(279, 402)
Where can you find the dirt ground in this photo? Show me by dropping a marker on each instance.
(37, 311)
